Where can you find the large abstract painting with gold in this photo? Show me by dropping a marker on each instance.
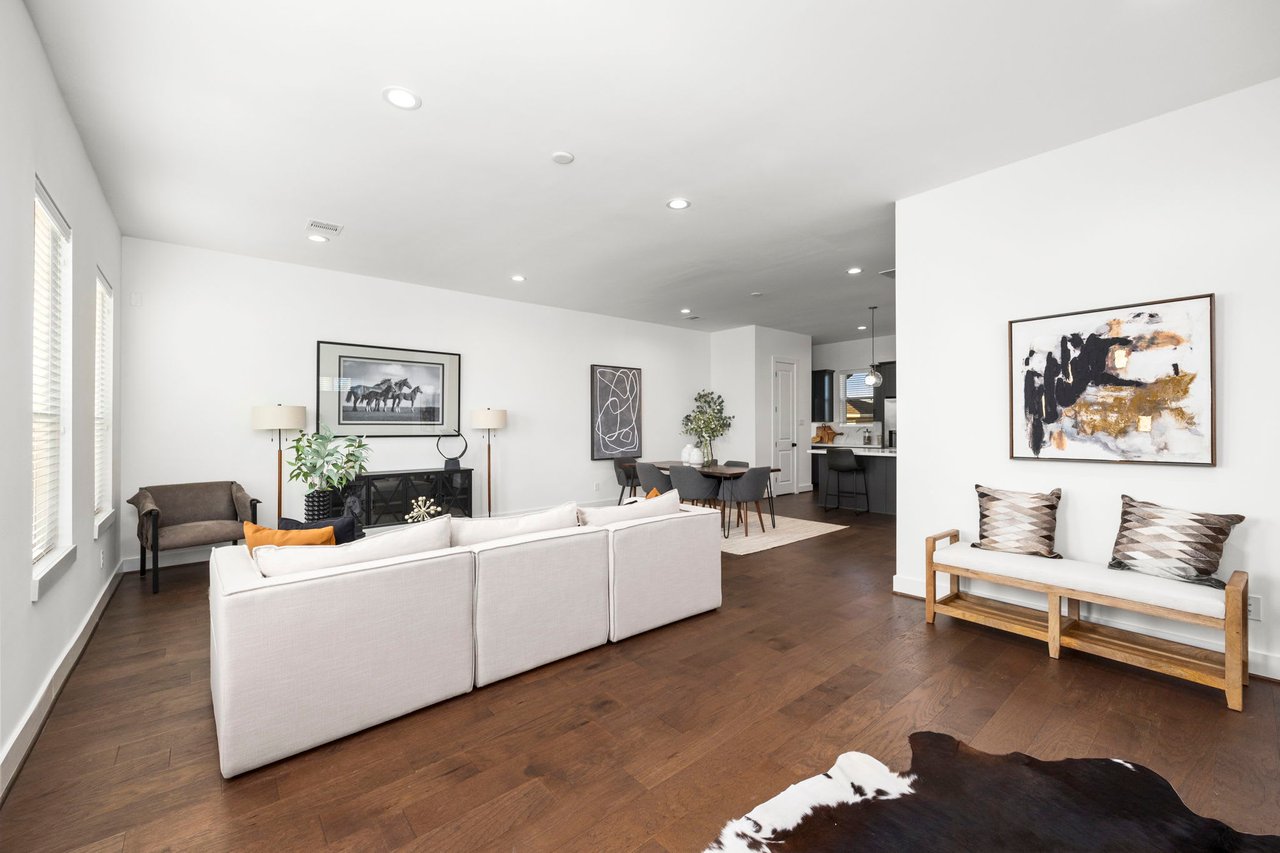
(1132, 383)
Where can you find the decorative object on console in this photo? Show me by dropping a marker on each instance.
(706, 422)
(1132, 383)
(423, 509)
(488, 420)
(279, 418)
(1171, 543)
(387, 391)
(453, 463)
(326, 465)
(615, 412)
(1018, 522)
(957, 797)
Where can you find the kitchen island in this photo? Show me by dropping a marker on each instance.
(880, 465)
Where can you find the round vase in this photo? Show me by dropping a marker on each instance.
(685, 453)
(695, 457)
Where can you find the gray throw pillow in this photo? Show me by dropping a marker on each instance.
(1171, 543)
(1017, 522)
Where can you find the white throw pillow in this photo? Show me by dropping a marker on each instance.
(473, 531)
(417, 538)
(598, 516)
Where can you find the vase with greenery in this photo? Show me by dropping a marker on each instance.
(707, 422)
(326, 465)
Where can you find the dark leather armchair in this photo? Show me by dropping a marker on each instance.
(188, 515)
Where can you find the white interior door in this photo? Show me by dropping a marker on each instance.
(784, 426)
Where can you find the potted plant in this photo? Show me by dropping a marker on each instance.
(707, 422)
(326, 465)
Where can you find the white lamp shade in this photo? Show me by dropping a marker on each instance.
(488, 418)
(279, 417)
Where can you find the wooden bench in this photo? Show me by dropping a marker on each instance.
(1070, 582)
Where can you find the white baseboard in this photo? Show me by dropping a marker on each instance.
(15, 751)
(1261, 663)
(177, 557)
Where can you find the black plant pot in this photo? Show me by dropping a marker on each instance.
(319, 505)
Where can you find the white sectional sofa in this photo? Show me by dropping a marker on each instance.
(302, 656)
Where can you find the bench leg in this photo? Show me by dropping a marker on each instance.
(1073, 609)
(930, 592)
(1233, 658)
(1055, 625)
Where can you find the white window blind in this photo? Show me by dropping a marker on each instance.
(102, 378)
(52, 277)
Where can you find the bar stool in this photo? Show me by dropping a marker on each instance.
(841, 461)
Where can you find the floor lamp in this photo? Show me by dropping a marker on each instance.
(279, 418)
(488, 420)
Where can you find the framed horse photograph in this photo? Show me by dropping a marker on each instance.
(387, 391)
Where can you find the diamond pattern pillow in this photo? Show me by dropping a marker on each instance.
(1017, 522)
(1171, 543)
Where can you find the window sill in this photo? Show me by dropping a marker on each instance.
(46, 572)
(103, 522)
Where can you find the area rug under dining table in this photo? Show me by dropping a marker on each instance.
(788, 530)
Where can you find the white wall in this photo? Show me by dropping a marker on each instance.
(774, 344)
(217, 334)
(844, 355)
(1185, 203)
(37, 638)
(733, 359)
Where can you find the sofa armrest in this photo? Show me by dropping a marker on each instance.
(952, 536)
(1238, 581)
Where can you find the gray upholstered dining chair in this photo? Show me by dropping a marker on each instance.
(651, 478)
(189, 515)
(624, 468)
(693, 486)
(751, 488)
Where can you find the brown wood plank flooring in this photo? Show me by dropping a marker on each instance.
(646, 745)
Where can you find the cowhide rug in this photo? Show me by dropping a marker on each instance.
(957, 798)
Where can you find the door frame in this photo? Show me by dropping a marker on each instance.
(773, 433)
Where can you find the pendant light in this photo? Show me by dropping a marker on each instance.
(873, 376)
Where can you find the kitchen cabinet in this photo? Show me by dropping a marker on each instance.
(824, 396)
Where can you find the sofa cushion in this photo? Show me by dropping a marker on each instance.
(195, 533)
(473, 531)
(401, 541)
(255, 536)
(345, 527)
(1017, 522)
(1171, 543)
(599, 516)
(1089, 577)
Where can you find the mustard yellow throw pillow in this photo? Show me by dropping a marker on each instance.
(256, 534)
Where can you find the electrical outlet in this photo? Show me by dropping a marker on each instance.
(1255, 608)
(597, 487)
(102, 559)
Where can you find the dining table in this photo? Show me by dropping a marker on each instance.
(727, 474)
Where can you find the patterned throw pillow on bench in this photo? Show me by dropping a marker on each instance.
(1017, 522)
(1171, 543)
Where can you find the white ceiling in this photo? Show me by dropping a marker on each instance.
(792, 126)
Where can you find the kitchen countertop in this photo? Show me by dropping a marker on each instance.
(858, 449)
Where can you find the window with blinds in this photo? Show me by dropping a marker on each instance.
(52, 280)
(102, 378)
(859, 398)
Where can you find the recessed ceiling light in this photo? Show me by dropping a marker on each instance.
(862, 328)
(686, 310)
(756, 293)
(317, 238)
(678, 203)
(853, 270)
(564, 158)
(517, 278)
(399, 96)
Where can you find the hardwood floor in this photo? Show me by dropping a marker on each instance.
(650, 744)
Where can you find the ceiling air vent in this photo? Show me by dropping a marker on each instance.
(324, 229)
(693, 317)
(890, 273)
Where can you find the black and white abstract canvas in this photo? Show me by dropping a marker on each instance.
(615, 411)
(387, 391)
(1132, 383)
